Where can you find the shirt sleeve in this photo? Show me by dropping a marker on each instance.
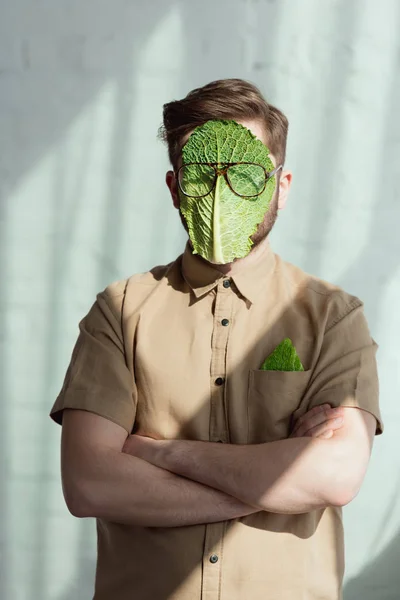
(98, 378)
(345, 373)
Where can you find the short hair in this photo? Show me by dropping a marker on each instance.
(226, 99)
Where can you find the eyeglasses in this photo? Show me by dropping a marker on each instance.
(247, 180)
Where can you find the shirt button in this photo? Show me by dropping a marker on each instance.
(219, 381)
(213, 558)
(225, 322)
(226, 283)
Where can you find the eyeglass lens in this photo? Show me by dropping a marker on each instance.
(245, 179)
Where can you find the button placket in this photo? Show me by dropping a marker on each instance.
(222, 310)
(212, 557)
(212, 560)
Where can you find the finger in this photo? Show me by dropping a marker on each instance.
(331, 425)
(308, 421)
(327, 434)
(334, 424)
(314, 411)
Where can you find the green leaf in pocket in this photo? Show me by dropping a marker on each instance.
(283, 358)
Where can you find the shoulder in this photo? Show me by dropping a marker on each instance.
(134, 289)
(331, 302)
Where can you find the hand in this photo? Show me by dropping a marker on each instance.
(319, 422)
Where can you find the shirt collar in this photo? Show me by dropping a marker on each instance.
(202, 277)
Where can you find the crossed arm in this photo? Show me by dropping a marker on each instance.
(294, 475)
(99, 480)
(139, 480)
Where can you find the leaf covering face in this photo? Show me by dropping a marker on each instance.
(221, 223)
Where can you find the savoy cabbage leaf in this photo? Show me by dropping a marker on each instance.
(221, 223)
(283, 358)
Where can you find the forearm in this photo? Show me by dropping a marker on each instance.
(287, 476)
(126, 489)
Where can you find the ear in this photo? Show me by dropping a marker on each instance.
(171, 182)
(285, 181)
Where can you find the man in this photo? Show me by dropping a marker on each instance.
(219, 411)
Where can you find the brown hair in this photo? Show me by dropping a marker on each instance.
(222, 99)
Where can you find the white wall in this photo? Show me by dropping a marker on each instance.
(83, 202)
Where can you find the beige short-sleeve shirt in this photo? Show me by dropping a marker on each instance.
(177, 352)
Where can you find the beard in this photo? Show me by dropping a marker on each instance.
(263, 229)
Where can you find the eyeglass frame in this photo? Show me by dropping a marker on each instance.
(224, 172)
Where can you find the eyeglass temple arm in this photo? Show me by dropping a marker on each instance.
(272, 173)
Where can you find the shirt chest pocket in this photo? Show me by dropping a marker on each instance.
(272, 398)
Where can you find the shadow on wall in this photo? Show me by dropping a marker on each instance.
(379, 579)
(376, 265)
(372, 270)
(82, 586)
